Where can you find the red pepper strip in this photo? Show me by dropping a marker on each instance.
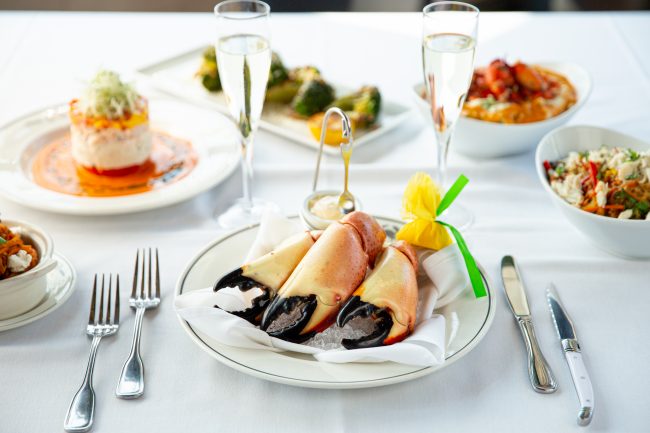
(547, 166)
(593, 172)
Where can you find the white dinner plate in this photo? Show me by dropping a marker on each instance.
(212, 135)
(60, 285)
(176, 76)
(228, 252)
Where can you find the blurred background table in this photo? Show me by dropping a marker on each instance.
(43, 58)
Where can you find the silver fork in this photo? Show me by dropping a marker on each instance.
(82, 408)
(131, 383)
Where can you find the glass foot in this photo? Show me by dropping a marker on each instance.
(242, 214)
(458, 216)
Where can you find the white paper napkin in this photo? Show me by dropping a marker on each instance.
(442, 278)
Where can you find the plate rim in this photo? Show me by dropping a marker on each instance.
(89, 205)
(69, 289)
(367, 383)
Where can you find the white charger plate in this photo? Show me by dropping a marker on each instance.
(60, 285)
(226, 253)
(176, 76)
(212, 135)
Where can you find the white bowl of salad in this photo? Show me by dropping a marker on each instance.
(600, 180)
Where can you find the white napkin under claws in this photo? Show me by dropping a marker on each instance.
(442, 278)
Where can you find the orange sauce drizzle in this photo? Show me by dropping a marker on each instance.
(55, 169)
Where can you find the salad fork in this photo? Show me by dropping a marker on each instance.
(131, 382)
(82, 408)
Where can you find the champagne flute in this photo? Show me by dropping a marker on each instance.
(448, 45)
(244, 59)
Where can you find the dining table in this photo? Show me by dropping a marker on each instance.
(45, 57)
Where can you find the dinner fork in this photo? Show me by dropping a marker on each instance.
(131, 382)
(82, 408)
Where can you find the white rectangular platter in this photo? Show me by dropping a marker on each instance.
(176, 76)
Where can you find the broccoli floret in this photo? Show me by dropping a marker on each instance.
(363, 105)
(208, 72)
(284, 92)
(278, 73)
(304, 73)
(313, 96)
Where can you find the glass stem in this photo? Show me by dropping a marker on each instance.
(443, 139)
(247, 170)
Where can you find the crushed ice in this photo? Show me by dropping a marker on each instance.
(284, 320)
(331, 337)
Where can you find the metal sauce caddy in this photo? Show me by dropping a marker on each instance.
(343, 201)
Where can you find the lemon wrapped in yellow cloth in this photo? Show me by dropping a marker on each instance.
(421, 206)
(419, 209)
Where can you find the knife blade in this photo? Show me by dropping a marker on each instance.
(572, 353)
(539, 372)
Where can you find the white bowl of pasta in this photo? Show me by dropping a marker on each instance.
(600, 180)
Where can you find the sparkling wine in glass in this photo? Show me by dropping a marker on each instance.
(244, 59)
(448, 45)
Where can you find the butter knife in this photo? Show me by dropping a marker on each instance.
(541, 376)
(571, 348)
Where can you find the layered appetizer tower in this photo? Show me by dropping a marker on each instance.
(109, 126)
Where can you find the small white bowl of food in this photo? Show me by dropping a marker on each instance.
(600, 180)
(25, 260)
(509, 107)
(321, 208)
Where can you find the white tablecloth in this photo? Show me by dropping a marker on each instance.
(43, 56)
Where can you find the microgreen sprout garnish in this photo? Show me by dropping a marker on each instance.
(108, 96)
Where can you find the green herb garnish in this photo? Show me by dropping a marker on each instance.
(2, 240)
(559, 170)
(584, 154)
(632, 155)
(488, 102)
(631, 176)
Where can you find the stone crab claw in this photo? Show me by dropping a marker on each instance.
(389, 295)
(268, 273)
(325, 278)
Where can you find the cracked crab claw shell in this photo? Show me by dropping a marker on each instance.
(389, 295)
(326, 277)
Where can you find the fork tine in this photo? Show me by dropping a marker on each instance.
(116, 319)
(142, 275)
(100, 317)
(93, 302)
(135, 274)
(149, 277)
(109, 299)
(157, 276)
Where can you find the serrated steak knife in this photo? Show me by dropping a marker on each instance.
(571, 348)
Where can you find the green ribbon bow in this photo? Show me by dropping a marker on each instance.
(475, 276)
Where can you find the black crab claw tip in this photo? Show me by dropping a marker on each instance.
(357, 308)
(236, 279)
(292, 332)
(259, 303)
(352, 308)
